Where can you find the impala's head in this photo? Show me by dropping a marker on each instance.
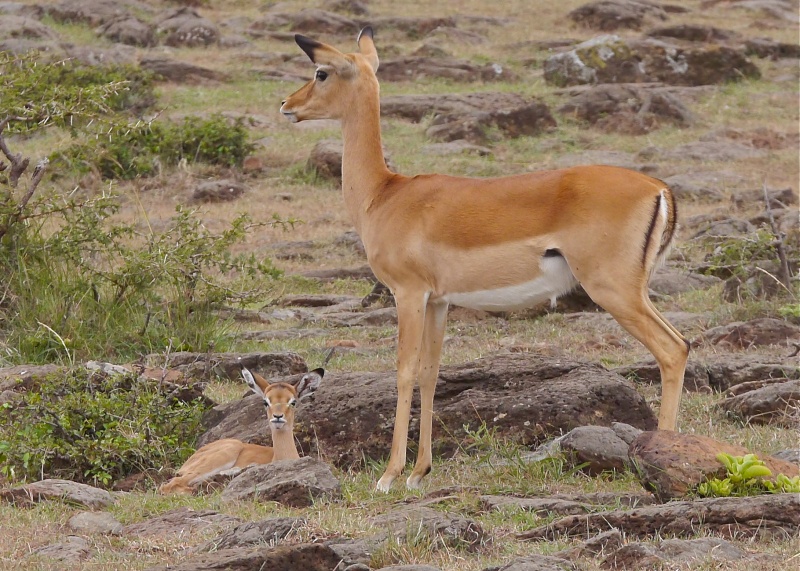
(340, 82)
(281, 398)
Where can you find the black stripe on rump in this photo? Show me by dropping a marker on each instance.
(649, 236)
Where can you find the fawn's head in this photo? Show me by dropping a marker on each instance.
(281, 398)
(340, 82)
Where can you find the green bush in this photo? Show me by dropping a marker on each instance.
(68, 94)
(95, 428)
(143, 149)
(747, 476)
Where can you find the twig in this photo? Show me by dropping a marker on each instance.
(783, 274)
(796, 351)
(18, 163)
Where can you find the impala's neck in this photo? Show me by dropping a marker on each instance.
(364, 169)
(283, 445)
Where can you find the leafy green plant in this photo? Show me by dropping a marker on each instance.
(746, 476)
(126, 151)
(93, 427)
(66, 94)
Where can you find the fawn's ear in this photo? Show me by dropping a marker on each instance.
(257, 383)
(310, 382)
(367, 47)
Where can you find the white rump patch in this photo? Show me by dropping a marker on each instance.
(556, 280)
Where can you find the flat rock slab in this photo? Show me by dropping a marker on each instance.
(70, 550)
(536, 563)
(776, 403)
(254, 534)
(305, 556)
(296, 483)
(540, 506)
(182, 521)
(769, 515)
(95, 522)
(745, 334)
(672, 464)
(229, 365)
(64, 490)
(451, 530)
(677, 553)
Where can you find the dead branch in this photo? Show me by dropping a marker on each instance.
(18, 163)
(783, 274)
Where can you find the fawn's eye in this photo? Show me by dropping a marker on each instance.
(321, 75)
(292, 402)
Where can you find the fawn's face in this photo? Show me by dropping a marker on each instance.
(281, 398)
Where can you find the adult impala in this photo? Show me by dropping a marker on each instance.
(492, 244)
(220, 455)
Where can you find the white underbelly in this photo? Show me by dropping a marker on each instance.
(555, 280)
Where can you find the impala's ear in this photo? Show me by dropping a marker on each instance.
(323, 54)
(367, 47)
(310, 382)
(257, 383)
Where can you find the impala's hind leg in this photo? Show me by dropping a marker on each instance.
(633, 310)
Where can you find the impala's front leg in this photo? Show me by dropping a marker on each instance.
(411, 322)
(432, 339)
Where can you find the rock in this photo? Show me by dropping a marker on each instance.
(776, 403)
(627, 108)
(778, 9)
(315, 300)
(296, 483)
(725, 228)
(730, 370)
(671, 464)
(128, 30)
(24, 27)
(413, 27)
(600, 157)
(214, 191)
(186, 27)
(446, 530)
(770, 515)
(754, 280)
(254, 534)
(609, 15)
(180, 522)
(693, 33)
(308, 21)
(672, 281)
(610, 59)
(229, 365)
(769, 48)
(20, 9)
(543, 507)
(792, 456)
(179, 71)
(521, 396)
(117, 54)
(756, 332)
(92, 12)
(326, 159)
(305, 556)
(777, 198)
(26, 377)
(409, 568)
(702, 185)
(95, 522)
(595, 547)
(64, 490)
(468, 116)
(356, 7)
(70, 550)
(597, 446)
(675, 553)
(415, 68)
(536, 563)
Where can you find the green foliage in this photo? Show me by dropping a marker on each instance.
(78, 284)
(142, 149)
(92, 427)
(68, 94)
(732, 255)
(746, 477)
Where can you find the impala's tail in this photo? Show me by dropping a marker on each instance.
(661, 230)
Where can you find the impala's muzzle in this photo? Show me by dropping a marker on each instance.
(288, 114)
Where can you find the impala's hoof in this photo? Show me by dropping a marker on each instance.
(414, 482)
(385, 483)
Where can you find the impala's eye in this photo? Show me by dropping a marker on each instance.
(292, 402)
(321, 75)
(266, 403)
